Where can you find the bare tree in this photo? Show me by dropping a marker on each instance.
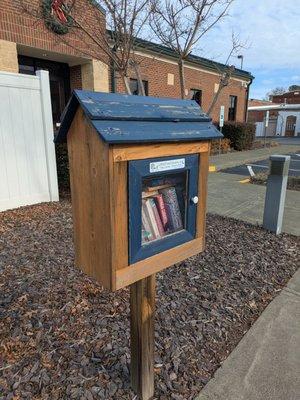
(226, 70)
(125, 19)
(275, 91)
(180, 24)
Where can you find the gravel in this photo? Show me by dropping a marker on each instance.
(62, 336)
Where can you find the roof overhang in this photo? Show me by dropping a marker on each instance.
(120, 118)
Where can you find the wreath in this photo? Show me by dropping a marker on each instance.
(56, 16)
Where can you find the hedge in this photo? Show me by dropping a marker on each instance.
(220, 146)
(240, 134)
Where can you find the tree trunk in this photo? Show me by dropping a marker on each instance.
(214, 100)
(139, 79)
(181, 77)
(126, 83)
(224, 81)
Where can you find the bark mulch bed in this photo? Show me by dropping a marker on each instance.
(293, 182)
(63, 337)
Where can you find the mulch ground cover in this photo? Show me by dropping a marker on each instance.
(63, 337)
(293, 182)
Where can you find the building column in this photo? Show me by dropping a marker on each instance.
(95, 76)
(8, 56)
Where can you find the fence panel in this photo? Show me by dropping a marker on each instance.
(27, 153)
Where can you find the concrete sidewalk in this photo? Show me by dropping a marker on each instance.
(266, 363)
(223, 161)
(230, 198)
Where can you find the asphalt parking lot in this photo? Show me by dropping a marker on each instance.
(263, 166)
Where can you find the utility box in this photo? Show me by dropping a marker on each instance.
(138, 174)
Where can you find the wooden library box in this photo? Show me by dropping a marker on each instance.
(138, 175)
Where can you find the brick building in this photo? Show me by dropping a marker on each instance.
(292, 97)
(159, 71)
(257, 110)
(26, 44)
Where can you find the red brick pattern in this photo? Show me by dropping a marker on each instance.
(288, 98)
(156, 71)
(18, 26)
(75, 77)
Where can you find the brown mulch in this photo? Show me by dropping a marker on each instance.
(260, 144)
(293, 182)
(63, 337)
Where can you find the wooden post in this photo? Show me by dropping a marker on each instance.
(142, 309)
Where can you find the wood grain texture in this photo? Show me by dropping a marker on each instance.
(119, 213)
(156, 263)
(89, 178)
(202, 194)
(139, 152)
(142, 310)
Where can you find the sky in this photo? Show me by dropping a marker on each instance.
(271, 29)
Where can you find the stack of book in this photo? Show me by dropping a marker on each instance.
(160, 212)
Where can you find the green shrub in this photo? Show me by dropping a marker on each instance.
(240, 134)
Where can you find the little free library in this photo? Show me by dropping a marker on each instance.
(138, 172)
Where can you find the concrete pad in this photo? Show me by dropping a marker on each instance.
(228, 197)
(243, 157)
(266, 363)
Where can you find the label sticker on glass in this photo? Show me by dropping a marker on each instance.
(167, 165)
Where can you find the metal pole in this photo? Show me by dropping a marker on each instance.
(276, 192)
(266, 125)
(221, 124)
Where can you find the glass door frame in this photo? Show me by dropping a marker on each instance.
(139, 169)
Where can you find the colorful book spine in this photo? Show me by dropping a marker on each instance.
(151, 219)
(172, 208)
(160, 204)
(147, 234)
(157, 217)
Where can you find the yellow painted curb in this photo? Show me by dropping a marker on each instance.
(212, 168)
(247, 180)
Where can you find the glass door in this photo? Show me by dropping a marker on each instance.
(162, 204)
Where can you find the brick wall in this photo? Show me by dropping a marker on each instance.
(21, 27)
(259, 115)
(156, 71)
(75, 77)
(288, 98)
(257, 102)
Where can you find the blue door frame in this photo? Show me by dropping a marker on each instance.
(137, 170)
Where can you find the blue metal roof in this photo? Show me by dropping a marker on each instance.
(120, 118)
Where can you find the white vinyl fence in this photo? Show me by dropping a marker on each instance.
(27, 155)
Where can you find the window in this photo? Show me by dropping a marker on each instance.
(196, 94)
(135, 88)
(232, 108)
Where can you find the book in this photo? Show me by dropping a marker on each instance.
(147, 193)
(144, 234)
(151, 219)
(172, 209)
(160, 204)
(147, 234)
(157, 217)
